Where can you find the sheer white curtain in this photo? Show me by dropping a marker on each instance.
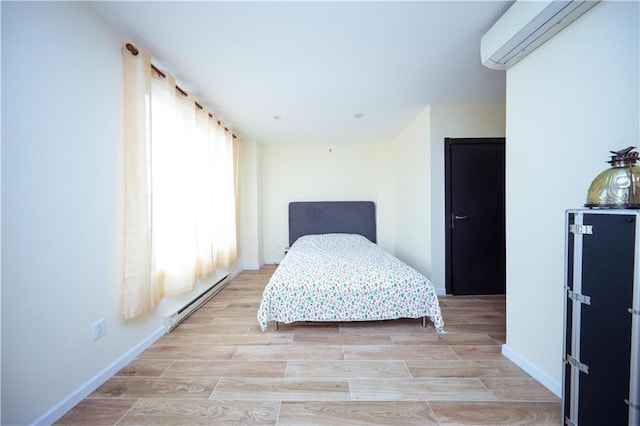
(183, 181)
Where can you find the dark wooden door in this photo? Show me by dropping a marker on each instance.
(475, 215)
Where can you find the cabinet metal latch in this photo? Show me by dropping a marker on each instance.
(577, 364)
(581, 229)
(581, 298)
(569, 422)
(633, 311)
(632, 405)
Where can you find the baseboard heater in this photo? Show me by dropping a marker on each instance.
(172, 321)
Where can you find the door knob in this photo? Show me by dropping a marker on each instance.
(455, 217)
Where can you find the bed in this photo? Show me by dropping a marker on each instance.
(335, 272)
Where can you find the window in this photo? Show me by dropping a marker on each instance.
(180, 188)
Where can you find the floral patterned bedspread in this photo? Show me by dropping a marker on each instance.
(345, 277)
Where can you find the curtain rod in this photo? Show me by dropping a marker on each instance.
(131, 48)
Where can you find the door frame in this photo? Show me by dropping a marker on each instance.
(448, 141)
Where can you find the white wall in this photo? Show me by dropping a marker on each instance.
(404, 176)
(61, 210)
(568, 103)
(310, 172)
(250, 206)
(412, 189)
(454, 121)
(412, 192)
(386, 184)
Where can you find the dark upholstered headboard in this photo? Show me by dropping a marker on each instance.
(327, 217)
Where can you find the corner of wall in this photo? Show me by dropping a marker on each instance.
(71, 400)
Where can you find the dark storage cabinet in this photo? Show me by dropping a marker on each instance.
(600, 380)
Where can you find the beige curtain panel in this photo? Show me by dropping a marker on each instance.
(180, 189)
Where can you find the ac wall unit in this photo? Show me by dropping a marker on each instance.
(525, 26)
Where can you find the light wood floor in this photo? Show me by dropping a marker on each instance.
(218, 367)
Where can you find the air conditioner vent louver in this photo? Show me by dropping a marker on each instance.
(525, 26)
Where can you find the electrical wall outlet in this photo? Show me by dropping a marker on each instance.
(98, 329)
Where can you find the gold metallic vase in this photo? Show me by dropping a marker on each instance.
(619, 186)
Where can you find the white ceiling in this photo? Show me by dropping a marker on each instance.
(317, 64)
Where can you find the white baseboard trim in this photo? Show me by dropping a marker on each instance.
(542, 377)
(440, 291)
(60, 409)
(252, 267)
